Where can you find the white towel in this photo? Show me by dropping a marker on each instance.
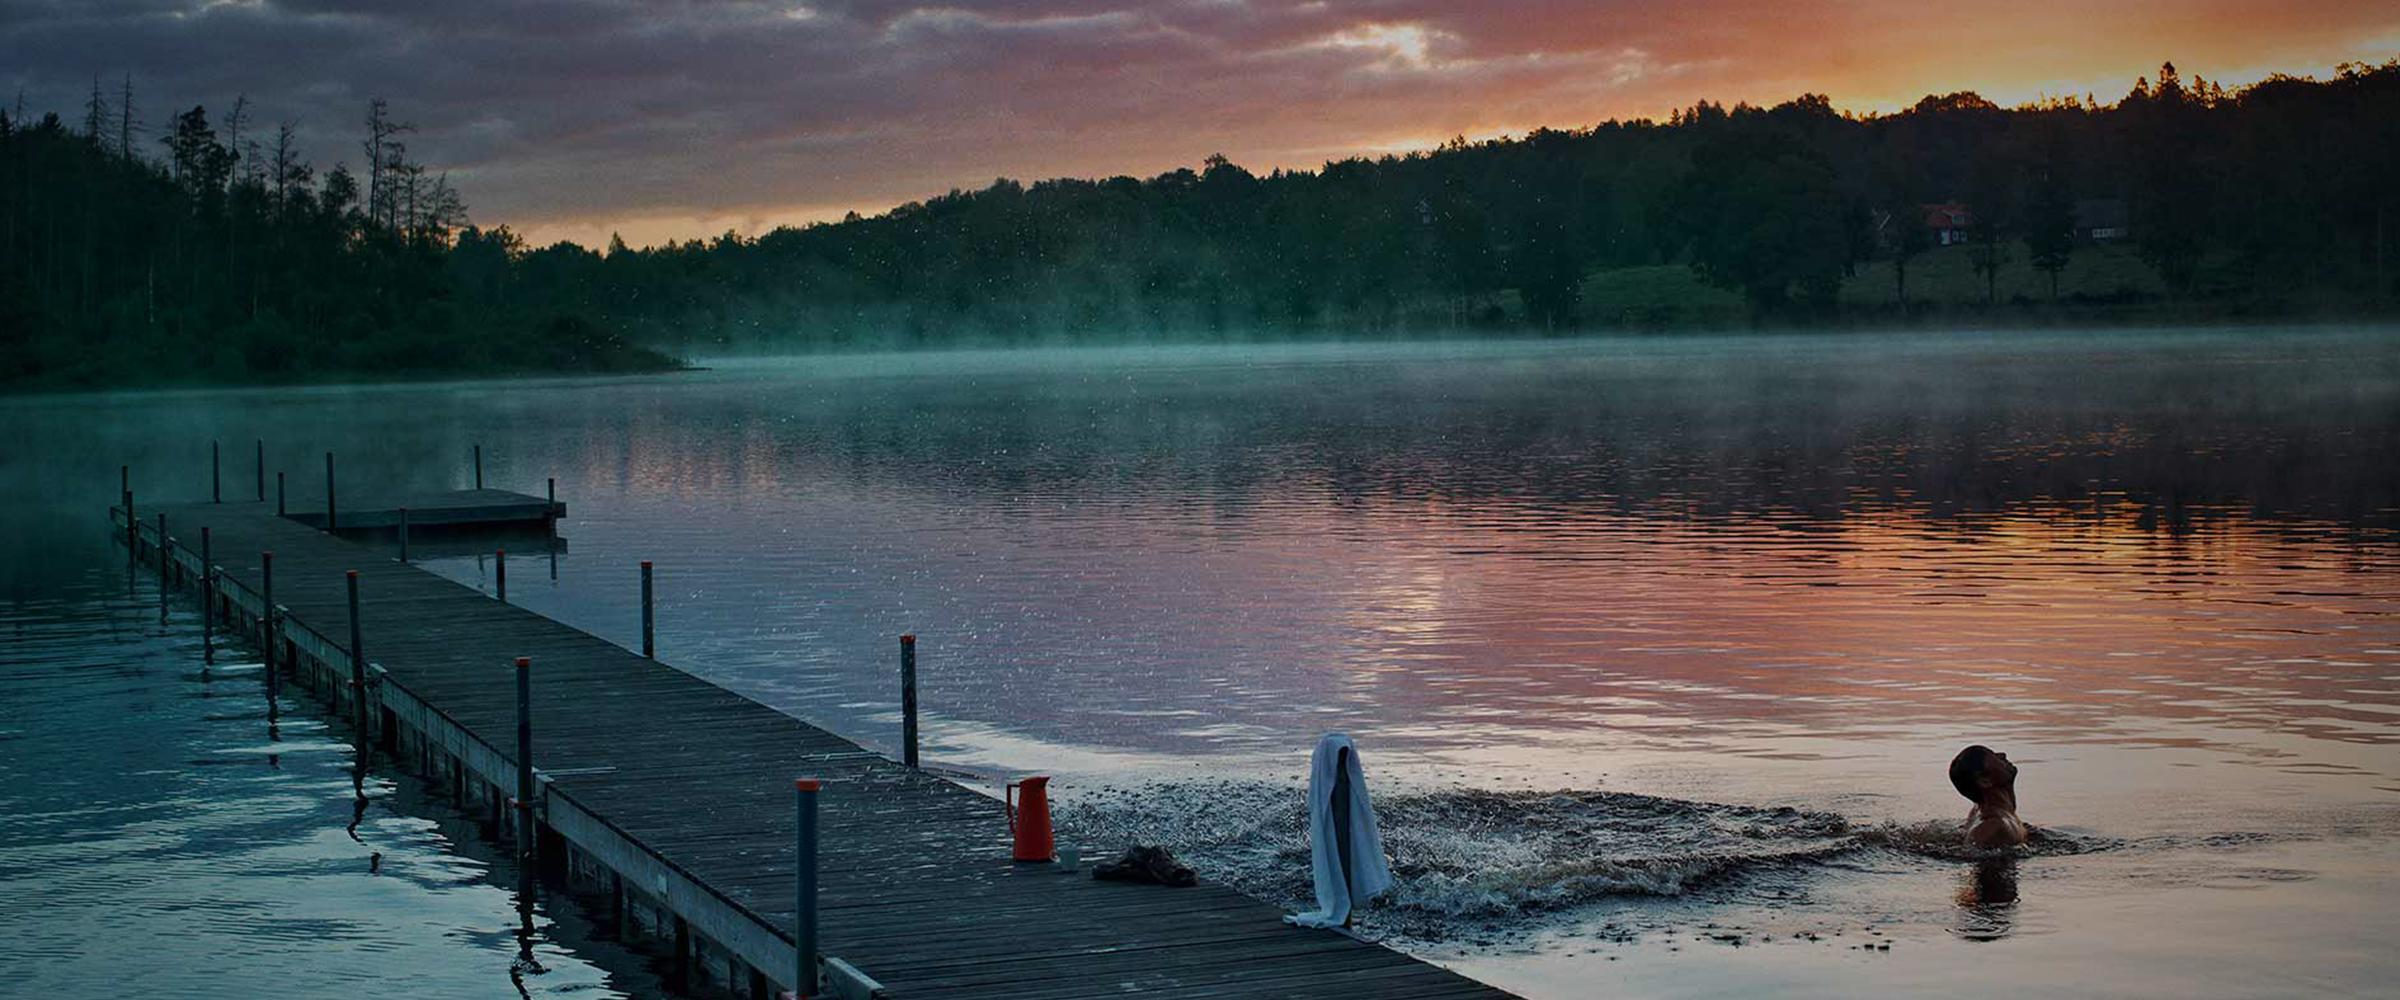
(1369, 874)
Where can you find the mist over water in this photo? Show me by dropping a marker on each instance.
(1655, 649)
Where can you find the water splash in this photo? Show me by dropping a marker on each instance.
(1463, 857)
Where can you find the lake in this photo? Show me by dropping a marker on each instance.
(1655, 649)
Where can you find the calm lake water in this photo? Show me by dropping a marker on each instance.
(1655, 649)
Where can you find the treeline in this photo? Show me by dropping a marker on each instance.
(223, 257)
(2274, 200)
(216, 254)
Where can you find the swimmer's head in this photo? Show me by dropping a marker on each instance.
(1978, 769)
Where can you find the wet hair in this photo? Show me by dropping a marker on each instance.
(1966, 767)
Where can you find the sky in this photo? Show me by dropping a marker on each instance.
(678, 119)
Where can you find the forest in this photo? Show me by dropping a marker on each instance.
(220, 257)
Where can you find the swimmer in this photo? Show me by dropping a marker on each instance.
(1987, 779)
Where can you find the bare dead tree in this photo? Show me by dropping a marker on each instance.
(127, 124)
(381, 153)
(95, 113)
(233, 133)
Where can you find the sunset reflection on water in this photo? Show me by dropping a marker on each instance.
(1782, 574)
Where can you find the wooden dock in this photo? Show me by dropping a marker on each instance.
(668, 801)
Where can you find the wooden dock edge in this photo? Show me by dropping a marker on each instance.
(419, 727)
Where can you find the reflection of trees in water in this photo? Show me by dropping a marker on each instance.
(2163, 440)
(1987, 899)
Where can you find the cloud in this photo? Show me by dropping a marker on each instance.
(674, 119)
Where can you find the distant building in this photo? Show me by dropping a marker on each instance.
(1946, 224)
(2100, 220)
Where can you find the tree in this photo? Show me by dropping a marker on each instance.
(127, 125)
(2171, 206)
(1764, 218)
(383, 155)
(95, 113)
(2050, 221)
(196, 159)
(1992, 204)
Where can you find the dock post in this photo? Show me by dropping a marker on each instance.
(550, 509)
(330, 524)
(216, 473)
(500, 573)
(403, 534)
(133, 530)
(261, 466)
(208, 599)
(649, 635)
(908, 699)
(279, 508)
(525, 836)
(358, 669)
(266, 616)
(804, 930)
(479, 466)
(124, 479)
(163, 579)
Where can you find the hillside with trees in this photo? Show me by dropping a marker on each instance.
(219, 256)
(2274, 201)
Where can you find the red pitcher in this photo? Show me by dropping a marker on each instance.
(1028, 803)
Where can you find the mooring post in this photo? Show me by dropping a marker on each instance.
(162, 566)
(479, 466)
(908, 699)
(279, 508)
(550, 509)
(133, 530)
(649, 636)
(500, 573)
(216, 473)
(358, 668)
(208, 599)
(124, 479)
(804, 931)
(404, 534)
(260, 458)
(525, 763)
(330, 524)
(266, 615)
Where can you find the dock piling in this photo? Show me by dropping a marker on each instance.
(550, 510)
(216, 473)
(266, 617)
(133, 530)
(908, 699)
(500, 573)
(162, 567)
(330, 524)
(279, 508)
(404, 534)
(260, 458)
(649, 635)
(358, 668)
(479, 466)
(208, 599)
(525, 836)
(804, 930)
